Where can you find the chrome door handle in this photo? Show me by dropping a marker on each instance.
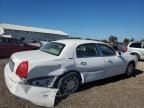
(83, 63)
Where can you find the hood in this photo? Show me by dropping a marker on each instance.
(32, 55)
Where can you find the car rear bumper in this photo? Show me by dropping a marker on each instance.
(38, 95)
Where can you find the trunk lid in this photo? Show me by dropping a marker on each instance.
(33, 57)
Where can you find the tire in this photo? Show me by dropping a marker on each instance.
(68, 83)
(137, 55)
(130, 69)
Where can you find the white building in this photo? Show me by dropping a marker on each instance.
(31, 33)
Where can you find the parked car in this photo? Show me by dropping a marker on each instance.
(122, 48)
(9, 46)
(64, 65)
(137, 49)
(119, 47)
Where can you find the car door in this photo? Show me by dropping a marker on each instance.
(89, 62)
(114, 63)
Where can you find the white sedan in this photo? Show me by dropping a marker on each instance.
(63, 65)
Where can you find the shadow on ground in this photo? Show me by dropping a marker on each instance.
(99, 83)
(142, 60)
(108, 80)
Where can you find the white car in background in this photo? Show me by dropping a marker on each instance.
(63, 65)
(136, 49)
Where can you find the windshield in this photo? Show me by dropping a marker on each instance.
(53, 48)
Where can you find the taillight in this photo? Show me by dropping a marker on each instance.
(125, 49)
(22, 69)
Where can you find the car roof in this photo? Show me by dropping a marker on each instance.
(76, 41)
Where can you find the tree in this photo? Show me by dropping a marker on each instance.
(142, 40)
(104, 40)
(113, 39)
(126, 41)
(75, 38)
(96, 39)
(132, 39)
(88, 39)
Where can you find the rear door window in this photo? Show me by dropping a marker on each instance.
(86, 50)
(135, 45)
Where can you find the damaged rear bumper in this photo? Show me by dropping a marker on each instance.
(38, 95)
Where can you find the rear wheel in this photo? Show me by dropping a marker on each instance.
(68, 84)
(130, 69)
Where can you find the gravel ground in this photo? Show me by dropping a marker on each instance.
(116, 92)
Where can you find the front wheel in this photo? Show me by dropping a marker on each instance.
(130, 69)
(68, 84)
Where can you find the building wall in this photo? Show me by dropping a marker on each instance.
(33, 35)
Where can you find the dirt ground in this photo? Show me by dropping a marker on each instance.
(116, 92)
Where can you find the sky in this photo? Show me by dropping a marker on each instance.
(96, 19)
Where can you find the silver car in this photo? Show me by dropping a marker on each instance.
(63, 66)
(137, 49)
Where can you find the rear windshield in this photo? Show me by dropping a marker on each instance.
(53, 48)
